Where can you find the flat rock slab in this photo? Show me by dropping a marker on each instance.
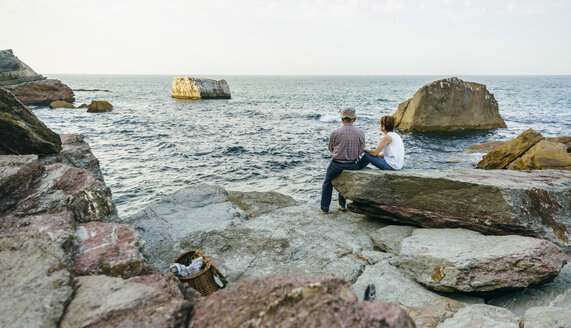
(547, 317)
(467, 261)
(107, 248)
(294, 301)
(144, 301)
(34, 280)
(388, 238)
(256, 203)
(482, 316)
(535, 204)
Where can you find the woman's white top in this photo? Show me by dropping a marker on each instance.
(394, 152)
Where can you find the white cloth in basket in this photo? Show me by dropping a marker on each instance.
(187, 271)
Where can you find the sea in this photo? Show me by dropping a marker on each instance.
(273, 134)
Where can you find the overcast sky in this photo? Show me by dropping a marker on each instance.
(309, 37)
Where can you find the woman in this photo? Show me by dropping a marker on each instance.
(389, 154)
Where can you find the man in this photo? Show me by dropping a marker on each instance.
(346, 145)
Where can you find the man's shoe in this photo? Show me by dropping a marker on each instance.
(342, 209)
(323, 212)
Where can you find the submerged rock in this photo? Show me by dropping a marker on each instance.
(467, 261)
(61, 104)
(308, 301)
(199, 88)
(99, 106)
(535, 204)
(146, 301)
(482, 316)
(21, 132)
(447, 105)
(36, 285)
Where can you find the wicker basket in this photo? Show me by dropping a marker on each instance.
(204, 280)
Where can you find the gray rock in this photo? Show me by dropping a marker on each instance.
(145, 301)
(198, 88)
(34, 280)
(447, 105)
(535, 204)
(21, 132)
(388, 238)
(547, 317)
(467, 261)
(14, 71)
(163, 224)
(482, 316)
(425, 307)
(256, 203)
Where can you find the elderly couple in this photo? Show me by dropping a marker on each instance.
(346, 145)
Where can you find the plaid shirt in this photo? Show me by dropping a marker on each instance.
(347, 143)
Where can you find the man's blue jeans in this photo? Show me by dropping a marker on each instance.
(377, 161)
(333, 170)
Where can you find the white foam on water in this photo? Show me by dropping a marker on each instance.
(329, 118)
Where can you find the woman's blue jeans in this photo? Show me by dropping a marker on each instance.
(375, 160)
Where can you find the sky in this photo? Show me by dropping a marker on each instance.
(295, 37)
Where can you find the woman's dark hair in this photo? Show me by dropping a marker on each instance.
(389, 122)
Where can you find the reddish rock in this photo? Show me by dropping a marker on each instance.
(58, 226)
(17, 174)
(42, 92)
(107, 248)
(294, 301)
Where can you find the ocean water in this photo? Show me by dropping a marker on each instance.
(272, 135)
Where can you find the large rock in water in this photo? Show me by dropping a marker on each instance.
(542, 156)
(462, 260)
(99, 106)
(447, 105)
(199, 88)
(21, 132)
(501, 156)
(535, 204)
(289, 301)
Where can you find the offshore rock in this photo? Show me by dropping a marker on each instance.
(35, 283)
(467, 261)
(482, 316)
(294, 301)
(428, 309)
(107, 248)
(99, 106)
(256, 203)
(61, 104)
(75, 153)
(501, 156)
(41, 92)
(535, 204)
(21, 132)
(547, 317)
(544, 155)
(144, 301)
(447, 105)
(199, 88)
(14, 71)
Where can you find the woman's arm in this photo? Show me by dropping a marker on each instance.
(382, 144)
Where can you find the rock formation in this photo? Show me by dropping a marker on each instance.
(533, 204)
(28, 86)
(529, 151)
(21, 132)
(448, 105)
(61, 104)
(304, 301)
(199, 88)
(99, 106)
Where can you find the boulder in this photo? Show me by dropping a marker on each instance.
(535, 204)
(482, 316)
(14, 71)
(144, 301)
(36, 285)
(76, 153)
(294, 301)
(17, 174)
(256, 203)
(426, 308)
(546, 317)
(199, 88)
(21, 132)
(486, 147)
(447, 105)
(467, 261)
(61, 104)
(58, 226)
(388, 238)
(501, 156)
(83, 106)
(41, 92)
(99, 106)
(107, 248)
(544, 155)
